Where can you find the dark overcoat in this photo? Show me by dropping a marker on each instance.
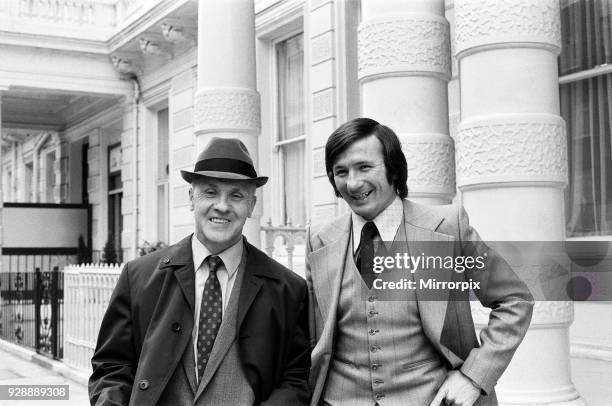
(149, 321)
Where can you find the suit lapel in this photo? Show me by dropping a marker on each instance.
(327, 265)
(420, 225)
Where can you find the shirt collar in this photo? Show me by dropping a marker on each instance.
(387, 222)
(231, 256)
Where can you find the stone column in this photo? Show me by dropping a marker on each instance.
(512, 165)
(226, 100)
(404, 67)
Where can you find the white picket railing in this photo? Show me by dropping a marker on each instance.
(87, 290)
(287, 245)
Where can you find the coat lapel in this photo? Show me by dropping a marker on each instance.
(182, 262)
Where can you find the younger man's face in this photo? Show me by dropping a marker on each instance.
(360, 177)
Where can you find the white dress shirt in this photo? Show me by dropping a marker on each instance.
(226, 273)
(387, 222)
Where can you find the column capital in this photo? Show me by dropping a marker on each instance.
(484, 23)
(525, 148)
(431, 167)
(413, 43)
(227, 109)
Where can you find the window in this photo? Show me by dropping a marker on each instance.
(8, 184)
(585, 71)
(50, 177)
(163, 129)
(29, 182)
(290, 144)
(115, 195)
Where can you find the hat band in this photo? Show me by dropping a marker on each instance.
(226, 165)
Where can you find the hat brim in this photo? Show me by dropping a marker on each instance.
(189, 176)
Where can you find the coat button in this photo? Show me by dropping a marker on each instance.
(143, 384)
(165, 260)
(176, 327)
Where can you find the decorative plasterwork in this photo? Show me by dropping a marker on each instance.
(151, 47)
(486, 22)
(173, 33)
(228, 109)
(431, 163)
(410, 44)
(511, 148)
(125, 65)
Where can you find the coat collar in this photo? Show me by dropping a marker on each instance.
(179, 259)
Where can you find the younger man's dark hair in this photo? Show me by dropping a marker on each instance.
(358, 128)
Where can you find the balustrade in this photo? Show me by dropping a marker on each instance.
(287, 245)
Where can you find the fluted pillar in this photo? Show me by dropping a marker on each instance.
(226, 100)
(512, 165)
(404, 67)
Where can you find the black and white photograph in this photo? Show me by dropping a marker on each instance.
(306, 202)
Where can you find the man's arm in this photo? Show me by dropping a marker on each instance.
(115, 359)
(294, 390)
(511, 305)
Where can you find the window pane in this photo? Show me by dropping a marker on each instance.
(29, 187)
(162, 144)
(295, 186)
(50, 177)
(290, 59)
(586, 35)
(290, 56)
(162, 212)
(586, 106)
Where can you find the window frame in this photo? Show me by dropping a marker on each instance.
(568, 79)
(278, 144)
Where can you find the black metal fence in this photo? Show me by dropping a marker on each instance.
(32, 299)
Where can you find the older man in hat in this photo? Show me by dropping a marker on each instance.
(210, 320)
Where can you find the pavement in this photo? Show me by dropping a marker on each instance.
(20, 366)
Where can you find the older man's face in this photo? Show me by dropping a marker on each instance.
(220, 209)
(361, 178)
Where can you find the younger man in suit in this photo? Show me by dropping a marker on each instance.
(415, 351)
(210, 320)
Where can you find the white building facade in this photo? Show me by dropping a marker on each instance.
(502, 106)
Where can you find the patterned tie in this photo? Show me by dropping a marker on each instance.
(210, 314)
(364, 257)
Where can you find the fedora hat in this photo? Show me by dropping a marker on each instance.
(225, 158)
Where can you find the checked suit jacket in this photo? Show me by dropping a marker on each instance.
(448, 323)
